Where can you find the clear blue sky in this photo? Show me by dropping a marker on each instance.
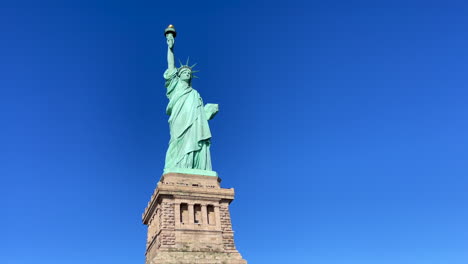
(342, 126)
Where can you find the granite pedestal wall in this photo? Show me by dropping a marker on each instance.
(189, 222)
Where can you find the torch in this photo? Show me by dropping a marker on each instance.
(170, 30)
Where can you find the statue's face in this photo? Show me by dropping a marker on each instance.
(185, 75)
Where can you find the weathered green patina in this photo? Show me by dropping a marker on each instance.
(189, 146)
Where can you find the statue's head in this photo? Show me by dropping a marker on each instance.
(185, 72)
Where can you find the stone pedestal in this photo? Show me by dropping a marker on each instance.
(189, 222)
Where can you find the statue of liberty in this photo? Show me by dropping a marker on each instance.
(189, 146)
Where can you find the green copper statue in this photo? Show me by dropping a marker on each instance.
(189, 146)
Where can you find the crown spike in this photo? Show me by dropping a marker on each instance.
(188, 58)
(193, 65)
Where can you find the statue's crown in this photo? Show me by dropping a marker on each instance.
(183, 67)
(186, 66)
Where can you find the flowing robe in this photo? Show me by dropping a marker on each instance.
(189, 146)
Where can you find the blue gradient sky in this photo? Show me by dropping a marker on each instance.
(342, 126)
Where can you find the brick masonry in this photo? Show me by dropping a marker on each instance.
(179, 229)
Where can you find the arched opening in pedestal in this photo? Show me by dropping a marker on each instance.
(197, 219)
(184, 215)
(211, 214)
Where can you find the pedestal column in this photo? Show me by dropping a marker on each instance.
(204, 213)
(191, 214)
(217, 216)
(177, 214)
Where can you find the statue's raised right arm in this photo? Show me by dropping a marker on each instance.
(170, 52)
